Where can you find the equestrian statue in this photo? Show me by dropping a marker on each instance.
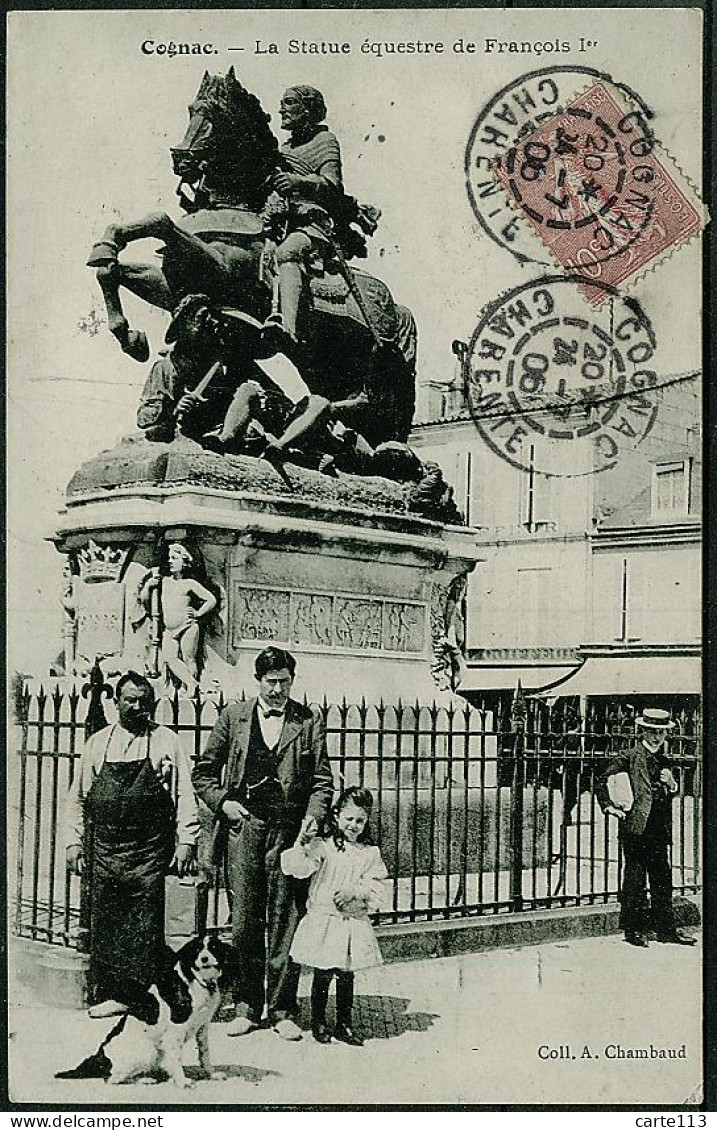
(263, 249)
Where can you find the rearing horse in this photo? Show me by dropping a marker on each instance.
(226, 161)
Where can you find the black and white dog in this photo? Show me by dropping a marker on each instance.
(150, 1038)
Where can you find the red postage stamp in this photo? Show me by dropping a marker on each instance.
(595, 185)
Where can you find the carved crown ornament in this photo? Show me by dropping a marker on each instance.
(99, 563)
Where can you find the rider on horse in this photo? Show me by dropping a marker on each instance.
(353, 348)
(310, 206)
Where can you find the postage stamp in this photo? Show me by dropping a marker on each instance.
(512, 115)
(538, 373)
(599, 191)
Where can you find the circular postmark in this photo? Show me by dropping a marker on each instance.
(557, 388)
(527, 106)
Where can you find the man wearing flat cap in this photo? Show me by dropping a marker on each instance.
(646, 830)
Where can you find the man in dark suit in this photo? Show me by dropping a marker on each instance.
(646, 832)
(265, 772)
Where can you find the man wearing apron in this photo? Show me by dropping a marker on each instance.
(121, 801)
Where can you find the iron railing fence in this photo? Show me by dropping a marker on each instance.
(476, 811)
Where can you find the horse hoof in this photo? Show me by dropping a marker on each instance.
(137, 346)
(327, 466)
(273, 454)
(103, 254)
(275, 338)
(212, 442)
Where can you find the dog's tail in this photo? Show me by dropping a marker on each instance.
(96, 1066)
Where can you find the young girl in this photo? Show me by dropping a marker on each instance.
(336, 936)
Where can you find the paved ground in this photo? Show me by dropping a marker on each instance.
(455, 1030)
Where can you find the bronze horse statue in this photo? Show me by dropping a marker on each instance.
(359, 345)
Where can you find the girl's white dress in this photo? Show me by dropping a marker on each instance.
(326, 938)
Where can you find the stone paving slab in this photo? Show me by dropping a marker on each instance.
(460, 1030)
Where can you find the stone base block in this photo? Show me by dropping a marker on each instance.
(337, 570)
(417, 941)
(55, 975)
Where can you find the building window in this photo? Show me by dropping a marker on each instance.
(623, 590)
(469, 489)
(537, 494)
(629, 597)
(671, 486)
(533, 614)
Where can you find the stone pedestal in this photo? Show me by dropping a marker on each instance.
(335, 569)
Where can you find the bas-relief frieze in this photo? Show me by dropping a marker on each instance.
(357, 623)
(403, 627)
(326, 620)
(260, 614)
(311, 616)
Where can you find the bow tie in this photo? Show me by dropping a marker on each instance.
(272, 713)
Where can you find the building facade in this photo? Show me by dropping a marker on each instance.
(591, 586)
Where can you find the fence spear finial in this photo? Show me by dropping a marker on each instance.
(95, 689)
(518, 708)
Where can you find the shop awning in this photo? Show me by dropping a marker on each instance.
(635, 675)
(484, 678)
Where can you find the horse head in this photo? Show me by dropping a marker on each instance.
(228, 148)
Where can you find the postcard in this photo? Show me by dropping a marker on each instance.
(354, 548)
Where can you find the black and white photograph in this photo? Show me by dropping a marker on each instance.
(354, 546)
